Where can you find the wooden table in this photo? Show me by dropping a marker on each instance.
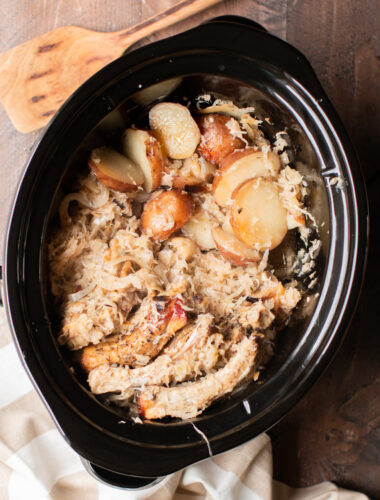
(334, 432)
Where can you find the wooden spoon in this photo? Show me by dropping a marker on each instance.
(39, 75)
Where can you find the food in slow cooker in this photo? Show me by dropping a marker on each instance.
(160, 263)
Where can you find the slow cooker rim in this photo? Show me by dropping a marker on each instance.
(179, 36)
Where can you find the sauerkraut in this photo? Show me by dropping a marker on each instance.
(103, 266)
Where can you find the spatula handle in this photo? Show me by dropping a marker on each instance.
(163, 19)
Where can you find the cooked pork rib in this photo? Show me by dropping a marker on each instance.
(191, 398)
(143, 337)
(98, 314)
(192, 352)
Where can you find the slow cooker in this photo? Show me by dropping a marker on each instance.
(228, 56)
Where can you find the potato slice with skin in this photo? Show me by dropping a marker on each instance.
(199, 229)
(166, 212)
(144, 149)
(258, 217)
(114, 170)
(175, 128)
(247, 121)
(217, 137)
(232, 249)
(240, 166)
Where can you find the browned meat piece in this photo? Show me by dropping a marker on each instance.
(86, 321)
(192, 352)
(146, 334)
(191, 398)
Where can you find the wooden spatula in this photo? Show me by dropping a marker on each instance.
(38, 76)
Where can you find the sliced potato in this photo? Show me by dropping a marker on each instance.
(220, 136)
(232, 249)
(240, 166)
(199, 229)
(166, 212)
(114, 170)
(175, 128)
(258, 217)
(144, 149)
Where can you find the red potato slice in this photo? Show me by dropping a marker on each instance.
(232, 249)
(144, 149)
(258, 217)
(175, 128)
(199, 229)
(219, 137)
(114, 170)
(246, 120)
(166, 212)
(240, 166)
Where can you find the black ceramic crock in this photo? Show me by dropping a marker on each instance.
(237, 58)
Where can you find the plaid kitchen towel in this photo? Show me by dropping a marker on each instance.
(36, 463)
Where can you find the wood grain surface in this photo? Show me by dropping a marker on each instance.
(334, 432)
(37, 76)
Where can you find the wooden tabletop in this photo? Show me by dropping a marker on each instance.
(334, 432)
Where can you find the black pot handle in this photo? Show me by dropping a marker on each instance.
(117, 480)
(233, 19)
(278, 52)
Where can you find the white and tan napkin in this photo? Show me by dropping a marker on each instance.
(36, 463)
